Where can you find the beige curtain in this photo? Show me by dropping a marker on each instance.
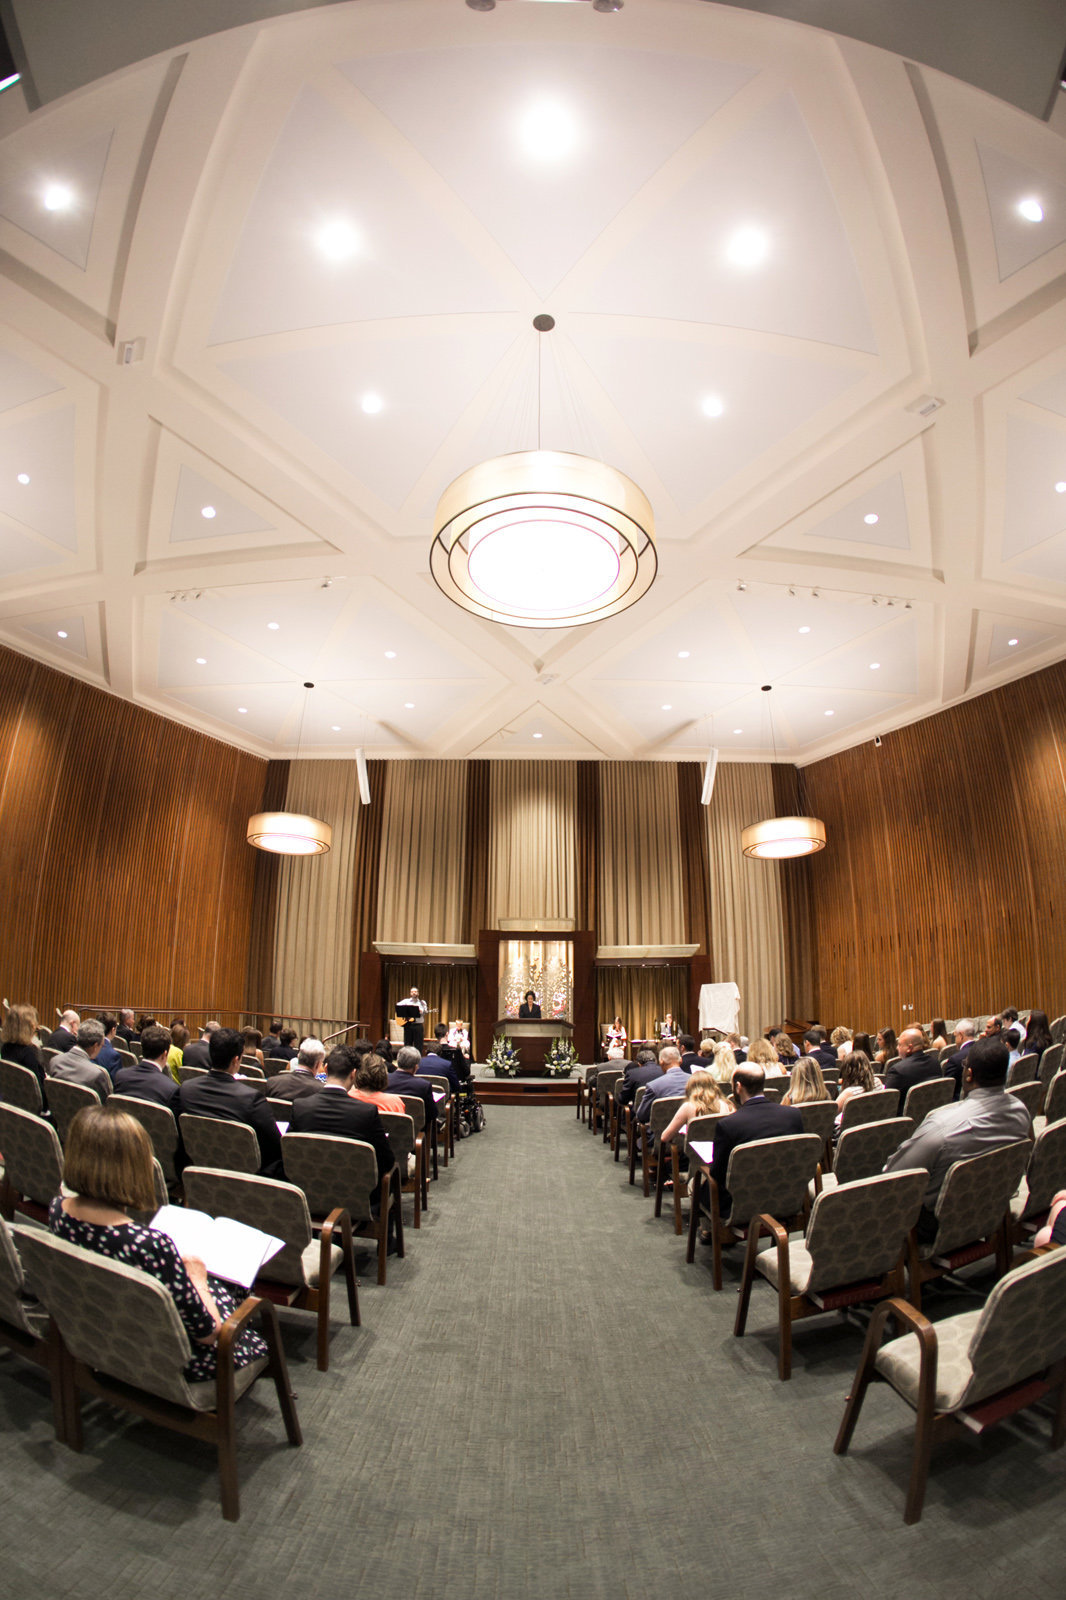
(532, 828)
(641, 889)
(423, 848)
(313, 934)
(642, 996)
(450, 992)
(747, 904)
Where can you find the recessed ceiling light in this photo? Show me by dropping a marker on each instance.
(805, 629)
(390, 655)
(337, 240)
(875, 666)
(1060, 488)
(274, 625)
(870, 518)
(538, 736)
(208, 512)
(712, 405)
(1031, 209)
(683, 655)
(748, 247)
(371, 404)
(201, 661)
(1012, 642)
(547, 130)
(830, 713)
(243, 710)
(57, 197)
(668, 708)
(24, 477)
(61, 634)
(408, 705)
(336, 727)
(738, 730)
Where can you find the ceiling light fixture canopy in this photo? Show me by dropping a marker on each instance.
(543, 538)
(291, 833)
(782, 838)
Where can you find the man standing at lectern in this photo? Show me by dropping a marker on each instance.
(413, 1011)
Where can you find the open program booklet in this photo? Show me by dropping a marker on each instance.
(231, 1250)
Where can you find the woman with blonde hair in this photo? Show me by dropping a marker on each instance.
(108, 1169)
(703, 1098)
(725, 1062)
(806, 1084)
(856, 1077)
(761, 1053)
(18, 1040)
(840, 1039)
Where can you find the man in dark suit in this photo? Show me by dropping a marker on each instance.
(108, 1057)
(333, 1111)
(964, 1040)
(436, 1065)
(916, 1063)
(404, 1081)
(690, 1056)
(271, 1039)
(816, 1044)
(150, 1078)
(636, 1075)
(125, 1029)
(65, 1036)
(301, 1079)
(220, 1095)
(757, 1118)
(198, 1052)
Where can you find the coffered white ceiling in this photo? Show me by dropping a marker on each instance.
(264, 297)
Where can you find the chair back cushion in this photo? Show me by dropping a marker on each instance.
(862, 1152)
(127, 1057)
(1051, 1062)
(332, 1172)
(13, 1308)
(19, 1087)
(871, 1107)
(818, 1117)
(976, 1193)
(662, 1112)
(210, 1142)
(702, 1128)
(400, 1131)
(266, 1203)
(158, 1123)
(771, 1175)
(1022, 1328)
(1024, 1070)
(606, 1079)
(33, 1157)
(65, 1100)
(185, 1073)
(1046, 1173)
(415, 1107)
(1055, 1106)
(925, 1097)
(1031, 1096)
(115, 1319)
(857, 1230)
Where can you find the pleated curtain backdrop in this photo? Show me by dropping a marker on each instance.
(532, 829)
(313, 954)
(642, 996)
(423, 850)
(747, 913)
(642, 897)
(449, 991)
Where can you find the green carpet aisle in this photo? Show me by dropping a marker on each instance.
(544, 1402)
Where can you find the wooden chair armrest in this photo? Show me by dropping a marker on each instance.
(234, 1323)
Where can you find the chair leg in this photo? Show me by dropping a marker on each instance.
(858, 1389)
(675, 1167)
(784, 1326)
(747, 1277)
(279, 1371)
(646, 1147)
(914, 1271)
(225, 1436)
(1058, 1426)
(693, 1214)
(660, 1179)
(634, 1141)
(923, 1449)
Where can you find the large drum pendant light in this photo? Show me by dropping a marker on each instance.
(782, 838)
(291, 833)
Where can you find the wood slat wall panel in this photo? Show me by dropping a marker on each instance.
(942, 883)
(122, 849)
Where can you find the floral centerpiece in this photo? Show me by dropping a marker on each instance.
(503, 1059)
(560, 1060)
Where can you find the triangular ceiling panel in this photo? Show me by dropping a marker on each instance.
(62, 632)
(20, 383)
(192, 654)
(1050, 394)
(1009, 638)
(37, 475)
(55, 200)
(886, 662)
(283, 623)
(765, 195)
(1035, 506)
(204, 511)
(877, 517)
(534, 732)
(1011, 184)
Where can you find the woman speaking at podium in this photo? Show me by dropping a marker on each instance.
(529, 1007)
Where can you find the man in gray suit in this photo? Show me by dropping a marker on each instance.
(78, 1064)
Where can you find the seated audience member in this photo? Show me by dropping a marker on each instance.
(863, 1042)
(252, 1040)
(938, 1034)
(816, 1044)
(404, 1080)
(197, 1053)
(887, 1048)
(840, 1040)
(438, 1066)
(1054, 1229)
(1013, 1040)
(149, 1078)
(616, 1034)
(984, 1119)
(460, 1056)
(220, 1095)
(109, 1057)
(334, 1111)
(739, 1046)
(762, 1054)
(615, 1053)
(384, 1049)
(690, 1056)
(672, 1079)
(916, 1064)
(703, 1098)
(78, 1064)
(372, 1085)
(179, 1038)
(856, 1077)
(17, 1038)
(755, 1118)
(787, 1052)
(65, 1036)
(271, 1039)
(964, 1041)
(300, 1077)
(636, 1074)
(108, 1165)
(807, 1084)
(1037, 1034)
(125, 1029)
(993, 1028)
(724, 1062)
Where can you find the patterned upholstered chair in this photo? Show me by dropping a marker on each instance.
(300, 1275)
(925, 1097)
(19, 1087)
(701, 1131)
(120, 1332)
(185, 1073)
(818, 1117)
(406, 1146)
(344, 1172)
(211, 1142)
(65, 1100)
(446, 1109)
(974, 1368)
(1031, 1096)
(1054, 1105)
(585, 1077)
(862, 1152)
(24, 1323)
(853, 1252)
(1050, 1063)
(599, 1108)
(33, 1164)
(1025, 1070)
(1045, 1175)
(872, 1107)
(973, 1216)
(767, 1176)
(415, 1107)
(161, 1127)
(648, 1149)
(126, 1057)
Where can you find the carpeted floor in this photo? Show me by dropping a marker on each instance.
(544, 1401)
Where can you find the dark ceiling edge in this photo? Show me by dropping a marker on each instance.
(13, 35)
